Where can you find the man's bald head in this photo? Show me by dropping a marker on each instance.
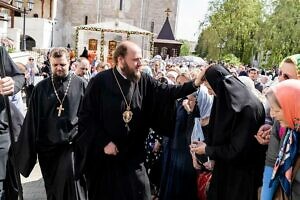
(123, 48)
(83, 65)
(128, 57)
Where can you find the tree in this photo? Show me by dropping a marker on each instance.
(232, 28)
(265, 29)
(281, 31)
(185, 48)
(231, 59)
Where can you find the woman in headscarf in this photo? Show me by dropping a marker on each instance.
(178, 176)
(235, 117)
(288, 69)
(201, 163)
(285, 108)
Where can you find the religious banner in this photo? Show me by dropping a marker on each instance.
(112, 44)
(93, 44)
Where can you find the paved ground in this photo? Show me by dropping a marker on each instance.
(33, 186)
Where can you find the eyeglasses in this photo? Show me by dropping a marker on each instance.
(285, 76)
(30, 59)
(83, 68)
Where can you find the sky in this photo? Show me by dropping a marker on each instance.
(190, 13)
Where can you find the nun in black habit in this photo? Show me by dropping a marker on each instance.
(236, 116)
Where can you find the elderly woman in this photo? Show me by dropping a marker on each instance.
(235, 117)
(288, 69)
(285, 108)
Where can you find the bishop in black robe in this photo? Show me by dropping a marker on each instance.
(122, 177)
(50, 137)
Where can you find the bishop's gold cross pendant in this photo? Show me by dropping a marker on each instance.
(60, 108)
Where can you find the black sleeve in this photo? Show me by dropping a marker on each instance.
(161, 104)
(240, 141)
(19, 82)
(11, 70)
(91, 138)
(171, 91)
(26, 145)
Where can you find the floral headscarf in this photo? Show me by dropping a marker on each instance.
(286, 94)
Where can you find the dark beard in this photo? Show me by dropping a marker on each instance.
(131, 74)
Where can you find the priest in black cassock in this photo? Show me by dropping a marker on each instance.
(119, 106)
(50, 127)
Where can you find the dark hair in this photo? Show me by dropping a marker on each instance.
(253, 70)
(163, 80)
(58, 52)
(121, 50)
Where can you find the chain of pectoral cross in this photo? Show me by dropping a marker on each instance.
(61, 101)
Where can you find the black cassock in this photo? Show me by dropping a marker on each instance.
(122, 177)
(50, 137)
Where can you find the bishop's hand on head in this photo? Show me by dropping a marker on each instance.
(199, 80)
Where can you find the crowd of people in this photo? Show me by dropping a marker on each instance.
(156, 129)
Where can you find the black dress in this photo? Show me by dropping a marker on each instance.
(179, 179)
(235, 118)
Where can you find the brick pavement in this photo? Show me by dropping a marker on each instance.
(33, 186)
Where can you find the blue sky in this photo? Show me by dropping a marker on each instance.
(189, 15)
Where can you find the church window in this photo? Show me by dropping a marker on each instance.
(164, 52)
(174, 52)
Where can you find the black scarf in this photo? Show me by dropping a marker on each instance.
(231, 97)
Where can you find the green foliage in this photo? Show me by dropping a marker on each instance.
(11, 50)
(231, 59)
(281, 31)
(266, 29)
(185, 49)
(233, 25)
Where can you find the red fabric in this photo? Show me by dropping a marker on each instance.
(287, 93)
(203, 181)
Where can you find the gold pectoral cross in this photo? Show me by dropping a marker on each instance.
(60, 108)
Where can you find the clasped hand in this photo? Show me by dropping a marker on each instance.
(198, 147)
(7, 86)
(263, 134)
(111, 149)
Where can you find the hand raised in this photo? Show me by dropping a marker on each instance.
(111, 149)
